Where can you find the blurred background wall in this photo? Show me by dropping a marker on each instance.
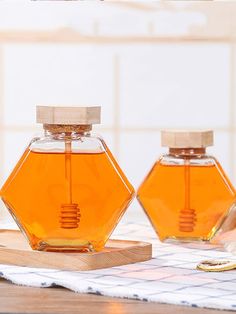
(150, 65)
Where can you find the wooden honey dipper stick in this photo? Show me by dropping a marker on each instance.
(70, 216)
(187, 216)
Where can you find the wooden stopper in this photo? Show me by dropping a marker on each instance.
(187, 138)
(68, 115)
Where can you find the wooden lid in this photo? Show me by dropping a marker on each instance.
(68, 115)
(187, 138)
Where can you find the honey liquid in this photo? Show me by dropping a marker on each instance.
(38, 188)
(186, 202)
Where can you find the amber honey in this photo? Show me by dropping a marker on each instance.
(186, 201)
(186, 194)
(67, 192)
(59, 215)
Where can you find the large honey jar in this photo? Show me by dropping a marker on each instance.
(67, 192)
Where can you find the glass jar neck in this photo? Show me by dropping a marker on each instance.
(61, 131)
(187, 152)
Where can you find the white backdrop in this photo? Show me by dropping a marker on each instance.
(160, 77)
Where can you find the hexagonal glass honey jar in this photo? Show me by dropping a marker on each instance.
(186, 195)
(67, 192)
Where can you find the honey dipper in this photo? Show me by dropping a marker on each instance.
(187, 216)
(70, 216)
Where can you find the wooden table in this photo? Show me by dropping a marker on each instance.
(20, 299)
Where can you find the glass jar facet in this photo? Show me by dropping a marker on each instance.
(67, 200)
(186, 195)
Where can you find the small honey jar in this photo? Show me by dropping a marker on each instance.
(186, 195)
(67, 192)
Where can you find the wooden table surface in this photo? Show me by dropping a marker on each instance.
(20, 299)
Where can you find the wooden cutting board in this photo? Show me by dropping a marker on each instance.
(15, 250)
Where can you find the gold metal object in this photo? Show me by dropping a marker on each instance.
(216, 265)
